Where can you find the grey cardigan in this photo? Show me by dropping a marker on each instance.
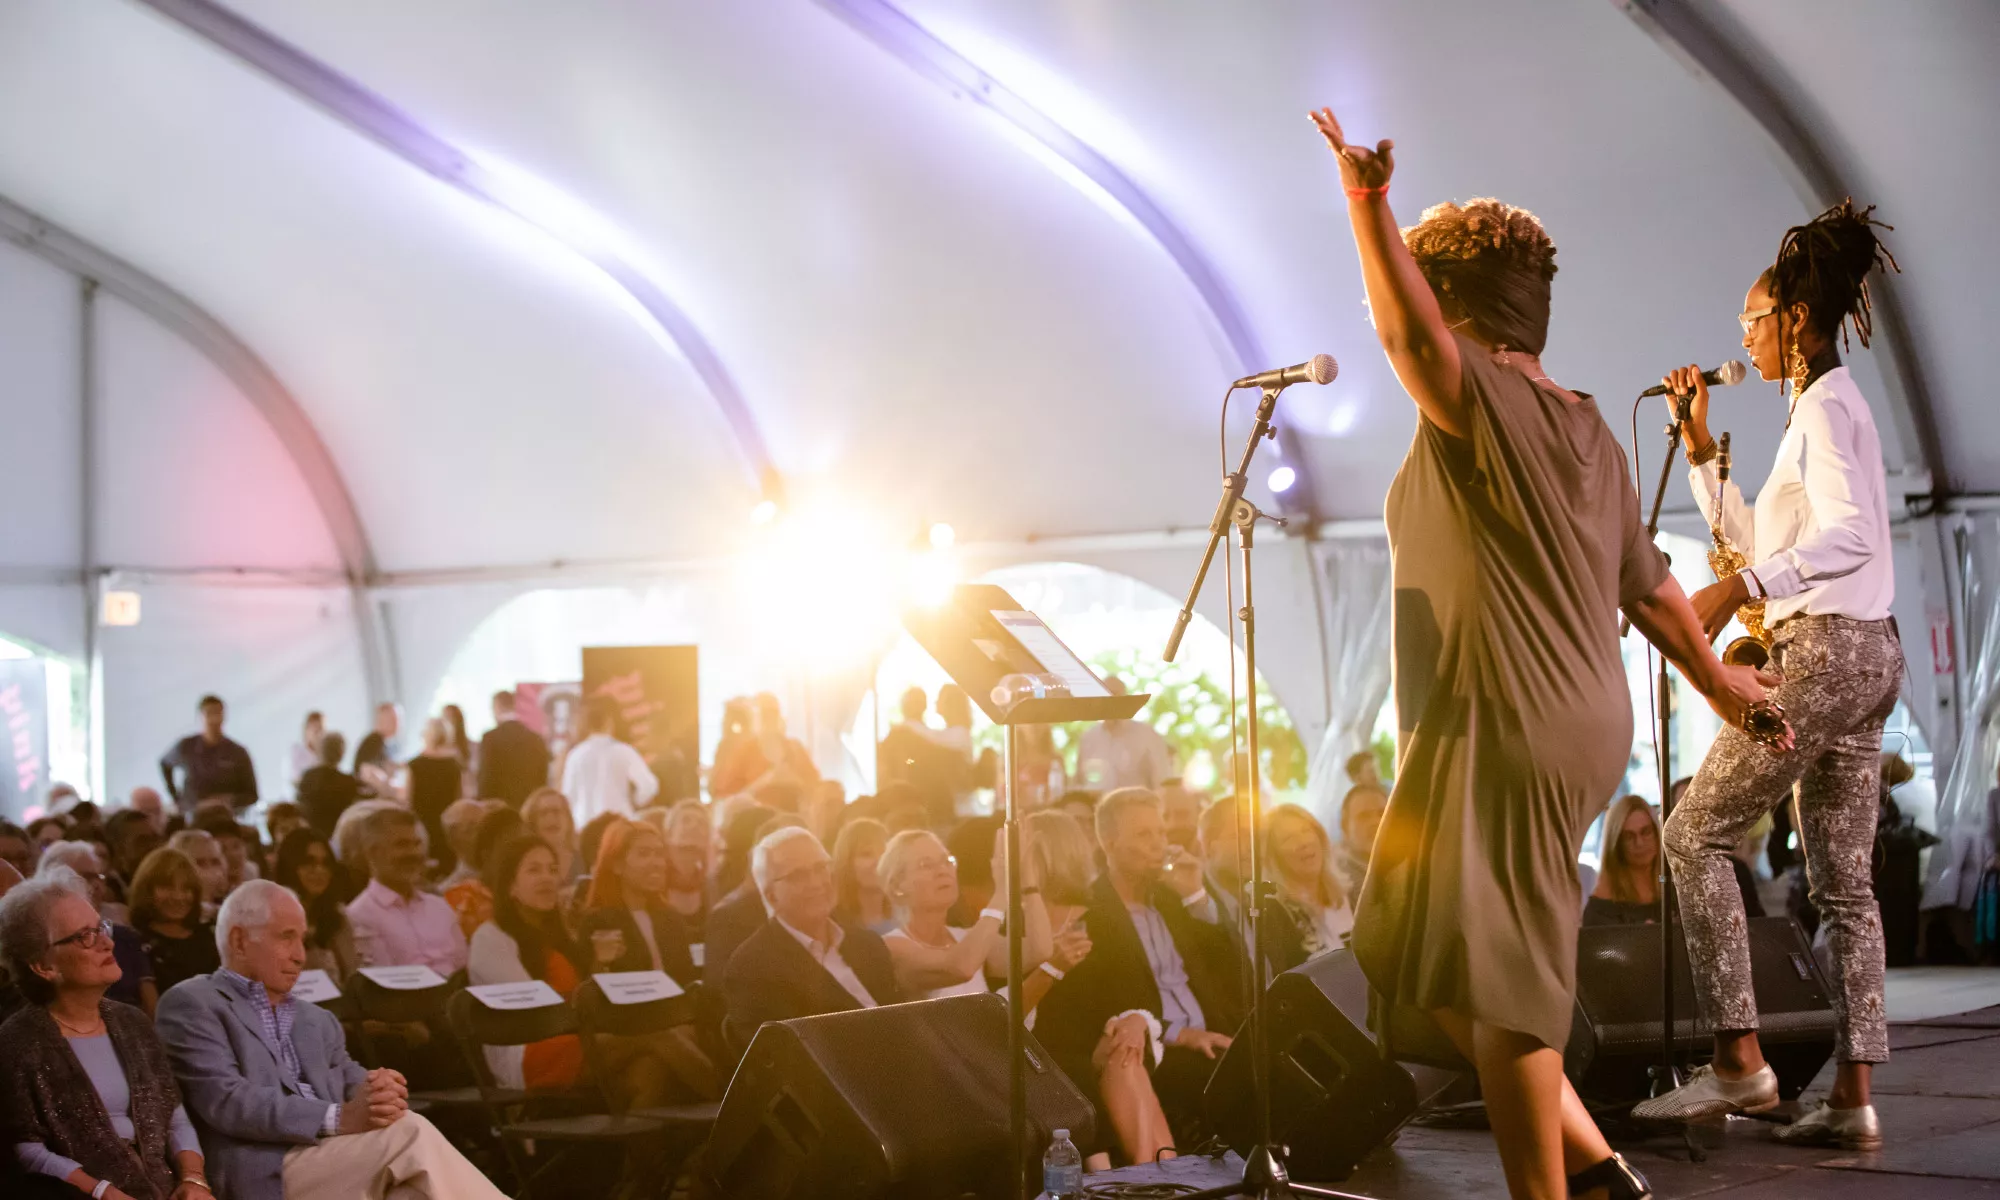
(234, 1088)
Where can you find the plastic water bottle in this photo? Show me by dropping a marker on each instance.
(1062, 1169)
(1013, 689)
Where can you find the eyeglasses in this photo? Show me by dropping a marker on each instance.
(818, 870)
(1747, 319)
(90, 937)
(948, 863)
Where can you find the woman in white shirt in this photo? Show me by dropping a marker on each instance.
(933, 959)
(1817, 545)
(1318, 916)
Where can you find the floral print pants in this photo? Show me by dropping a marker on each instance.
(1841, 678)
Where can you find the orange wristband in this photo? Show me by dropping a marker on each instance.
(1369, 191)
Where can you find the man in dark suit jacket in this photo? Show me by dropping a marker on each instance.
(802, 962)
(513, 759)
(1160, 966)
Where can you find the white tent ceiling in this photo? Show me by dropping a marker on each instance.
(927, 314)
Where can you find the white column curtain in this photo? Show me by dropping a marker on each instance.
(1354, 621)
(1966, 837)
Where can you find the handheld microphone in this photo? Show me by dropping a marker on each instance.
(1321, 369)
(1722, 376)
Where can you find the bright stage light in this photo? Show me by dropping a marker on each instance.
(932, 576)
(1283, 478)
(764, 513)
(943, 535)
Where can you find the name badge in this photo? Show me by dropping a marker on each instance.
(315, 987)
(535, 993)
(412, 978)
(699, 953)
(637, 987)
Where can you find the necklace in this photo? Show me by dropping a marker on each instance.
(948, 942)
(71, 1029)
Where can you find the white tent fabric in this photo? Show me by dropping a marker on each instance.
(930, 316)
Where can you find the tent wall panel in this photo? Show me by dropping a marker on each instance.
(39, 308)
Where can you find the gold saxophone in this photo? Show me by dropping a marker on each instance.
(1725, 560)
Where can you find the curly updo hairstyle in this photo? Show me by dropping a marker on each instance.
(1824, 264)
(1495, 261)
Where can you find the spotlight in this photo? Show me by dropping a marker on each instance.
(942, 536)
(764, 513)
(1282, 478)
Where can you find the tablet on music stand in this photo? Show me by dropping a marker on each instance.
(982, 636)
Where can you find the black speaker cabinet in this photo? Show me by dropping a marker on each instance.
(905, 1101)
(1616, 1033)
(1333, 1097)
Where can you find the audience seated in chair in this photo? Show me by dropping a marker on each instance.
(934, 959)
(307, 865)
(526, 940)
(1140, 1021)
(87, 1096)
(166, 912)
(283, 1111)
(135, 984)
(802, 962)
(396, 923)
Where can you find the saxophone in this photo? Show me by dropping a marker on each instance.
(1725, 560)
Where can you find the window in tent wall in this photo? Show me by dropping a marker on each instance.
(39, 689)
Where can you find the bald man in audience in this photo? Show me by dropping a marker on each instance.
(283, 1112)
(149, 801)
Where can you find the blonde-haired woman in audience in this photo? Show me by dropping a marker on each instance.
(1317, 916)
(1064, 859)
(547, 815)
(932, 958)
(857, 886)
(1627, 891)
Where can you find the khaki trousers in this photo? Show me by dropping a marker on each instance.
(409, 1160)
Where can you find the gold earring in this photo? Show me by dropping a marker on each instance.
(1795, 365)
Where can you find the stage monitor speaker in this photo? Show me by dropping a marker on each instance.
(1615, 1037)
(905, 1101)
(1333, 1096)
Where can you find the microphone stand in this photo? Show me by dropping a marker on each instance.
(1265, 1176)
(1666, 1073)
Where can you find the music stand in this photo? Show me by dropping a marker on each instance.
(981, 636)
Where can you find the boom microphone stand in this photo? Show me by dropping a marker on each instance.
(1264, 1173)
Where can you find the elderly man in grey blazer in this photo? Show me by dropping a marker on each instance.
(282, 1111)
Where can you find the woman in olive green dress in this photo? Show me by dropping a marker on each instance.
(1516, 539)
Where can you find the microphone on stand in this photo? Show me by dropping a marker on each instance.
(1728, 373)
(1321, 369)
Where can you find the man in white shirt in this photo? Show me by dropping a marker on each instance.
(1121, 754)
(1817, 544)
(601, 773)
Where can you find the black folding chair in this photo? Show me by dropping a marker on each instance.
(597, 1016)
(477, 1027)
(441, 1086)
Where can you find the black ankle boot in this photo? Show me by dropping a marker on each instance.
(1616, 1176)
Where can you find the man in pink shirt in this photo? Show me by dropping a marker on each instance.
(395, 923)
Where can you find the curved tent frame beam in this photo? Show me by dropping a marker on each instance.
(376, 118)
(1707, 42)
(899, 34)
(251, 375)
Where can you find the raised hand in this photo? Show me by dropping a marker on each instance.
(1360, 167)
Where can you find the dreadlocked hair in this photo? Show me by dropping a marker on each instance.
(1824, 265)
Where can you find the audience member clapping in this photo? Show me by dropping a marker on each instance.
(135, 985)
(306, 865)
(802, 962)
(859, 898)
(932, 958)
(395, 922)
(166, 912)
(88, 1096)
(283, 1111)
(1312, 915)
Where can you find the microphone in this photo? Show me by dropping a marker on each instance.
(1321, 369)
(1724, 375)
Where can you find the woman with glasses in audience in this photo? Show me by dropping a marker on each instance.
(1627, 891)
(166, 912)
(1316, 915)
(88, 1096)
(135, 985)
(858, 896)
(933, 958)
(306, 864)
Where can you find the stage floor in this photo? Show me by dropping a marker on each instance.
(1939, 1098)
